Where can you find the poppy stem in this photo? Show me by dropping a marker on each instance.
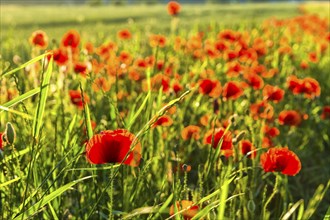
(264, 212)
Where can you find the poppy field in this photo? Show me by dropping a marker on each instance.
(210, 120)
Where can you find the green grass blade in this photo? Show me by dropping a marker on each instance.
(43, 97)
(87, 116)
(24, 65)
(14, 156)
(139, 110)
(327, 215)
(164, 206)
(24, 115)
(21, 97)
(9, 182)
(292, 209)
(37, 206)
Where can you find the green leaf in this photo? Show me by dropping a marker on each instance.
(139, 110)
(21, 97)
(43, 97)
(44, 201)
(24, 65)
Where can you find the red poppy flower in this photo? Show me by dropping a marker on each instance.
(124, 34)
(266, 142)
(290, 117)
(326, 112)
(232, 90)
(190, 209)
(76, 98)
(304, 64)
(190, 132)
(173, 8)
(177, 87)
(310, 87)
(280, 160)
(246, 146)
(262, 109)
(164, 120)
(210, 87)
(270, 131)
(112, 147)
(255, 81)
(273, 93)
(60, 57)
(227, 143)
(71, 39)
(157, 40)
(39, 39)
(102, 83)
(80, 68)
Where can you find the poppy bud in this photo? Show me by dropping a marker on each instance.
(10, 134)
(239, 137)
(233, 118)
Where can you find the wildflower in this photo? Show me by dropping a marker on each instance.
(71, 39)
(326, 112)
(102, 83)
(164, 120)
(262, 109)
(124, 34)
(76, 98)
(157, 40)
(60, 57)
(173, 8)
(270, 131)
(112, 147)
(80, 68)
(290, 117)
(255, 81)
(280, 160)
(216, 137)
(39, 39)
(210, 87)
(273, 93)
(246, 147)
(232, 90)
(190, 132)
(190, 209)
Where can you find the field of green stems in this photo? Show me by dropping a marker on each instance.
(169, 111)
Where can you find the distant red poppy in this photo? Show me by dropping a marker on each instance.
(173, 8)
(190, 209)
(326, 112)
(304, 64)
(76, 98)
(39, 39)
(164, 120)
(71, 39)
(273, 93)
(112, 147)
(227, 142)
(266, 142)
(190, 132)
(307, 86)
(280, 160)
(80, 68)
(210, 87)
(157, 40)
(262, 109)
(270, 131)
(124, 34)
(60, 57)
(254, 80)
(246, 146)
(289, 117)
(232, 90)
(177, 87)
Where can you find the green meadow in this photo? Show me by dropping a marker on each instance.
(217, 112)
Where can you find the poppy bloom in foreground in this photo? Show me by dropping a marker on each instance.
(173, 8)
(112, 147)
(280, 160)
(290, 117)
(190, 209)
(39, 39)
